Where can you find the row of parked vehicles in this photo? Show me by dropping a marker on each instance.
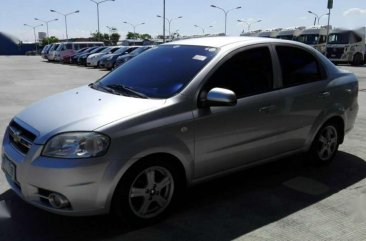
(91, 54)
(345, 46)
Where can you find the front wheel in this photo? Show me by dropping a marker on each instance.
(147, 192)
(325, 144)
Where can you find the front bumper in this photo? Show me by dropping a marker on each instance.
(92, 62)
(79, 180)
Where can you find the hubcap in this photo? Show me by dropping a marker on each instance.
(328, 141)
(151, 192)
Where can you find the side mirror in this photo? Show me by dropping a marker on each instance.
(220, 97)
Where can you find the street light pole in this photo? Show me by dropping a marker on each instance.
(34, 32)
(97, 3)
(46, 22)
(203, 29)
(321, 17)
(249, 24)
(226, 13)
(169, 22)
(134, 27)
(316, 16)
(65, 15)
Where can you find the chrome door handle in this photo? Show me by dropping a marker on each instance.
(348, 91)
(267, 109)
(324, 94)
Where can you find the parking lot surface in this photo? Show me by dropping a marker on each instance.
(284, 200)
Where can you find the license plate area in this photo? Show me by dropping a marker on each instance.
(8, 167)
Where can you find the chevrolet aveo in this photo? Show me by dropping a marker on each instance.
(179, 114)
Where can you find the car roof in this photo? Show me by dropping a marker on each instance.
(219, 42)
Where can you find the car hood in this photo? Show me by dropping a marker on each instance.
(106, 56)
(98, 55)
(81, 109)
(124, 56)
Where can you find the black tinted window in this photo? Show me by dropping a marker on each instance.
(298, 66)
(162, 71)
(247, 73)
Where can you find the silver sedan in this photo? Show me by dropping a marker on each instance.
(177, 115)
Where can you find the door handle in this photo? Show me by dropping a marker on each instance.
(324, 94)
(348, 91)
(267, 109)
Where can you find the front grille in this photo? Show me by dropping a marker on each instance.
(335, 53)
(20, 138)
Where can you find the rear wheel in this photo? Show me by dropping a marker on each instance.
(147, 192)
(325, 144)
(357, 60)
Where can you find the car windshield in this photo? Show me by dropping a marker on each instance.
(114, 49)
(139, 51)
(106, 50)
(309, 38)
(339, 38)
(90, 50)
(286, 37)
(97, 50)
(161, 72)
(121, 50)
(81, 50)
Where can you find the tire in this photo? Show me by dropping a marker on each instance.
(147, 192)
(357, 59)
(325, 144)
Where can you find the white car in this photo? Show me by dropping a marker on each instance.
(93, 59)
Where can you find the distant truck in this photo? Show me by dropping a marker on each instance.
(347, 46)
(272, 33)
(251, 33)
(290, 33)
(316, 37)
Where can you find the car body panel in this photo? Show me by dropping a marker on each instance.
(208, 141)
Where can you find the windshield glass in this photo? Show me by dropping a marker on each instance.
(287, 37)
(162, 71)
(106, 50)
(339, 38)
(139, 51)
(114, 49)
(309, 38)
(97, 50)
(121, 50)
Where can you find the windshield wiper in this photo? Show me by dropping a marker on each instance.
(104, 88)
(124, 89)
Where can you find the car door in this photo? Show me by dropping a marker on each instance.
(232, 136)
(305, 92)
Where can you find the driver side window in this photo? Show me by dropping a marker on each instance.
(247, 73)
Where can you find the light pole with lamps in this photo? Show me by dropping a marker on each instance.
(317, 17)
(203, 29)
(65, 15)
(34, 32)
(134, 27)
(169, 21)
(249, 24)
(97, 3)
(226, 13)
(46, 22)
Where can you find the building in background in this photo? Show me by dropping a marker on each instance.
(41, 36)
(10, 45)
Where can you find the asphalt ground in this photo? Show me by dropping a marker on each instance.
(284, 200)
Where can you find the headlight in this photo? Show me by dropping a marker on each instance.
(77, 145)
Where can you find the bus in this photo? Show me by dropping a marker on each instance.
(316, 37)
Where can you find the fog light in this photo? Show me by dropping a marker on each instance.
(58, 201)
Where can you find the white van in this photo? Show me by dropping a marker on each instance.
(67, 49)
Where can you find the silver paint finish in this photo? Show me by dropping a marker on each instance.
(208, 142)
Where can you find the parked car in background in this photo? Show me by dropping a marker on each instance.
(74, 59)
(44, 51)
(67, 49)
(180, 114)
(124, 58)
(68, 59)
(108, 61)
(82, 58)
(52, 52)
(93, 59)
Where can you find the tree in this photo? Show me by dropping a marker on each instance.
(114, 38)
(97, 36)
(49, 40)
(131, 35)
(145, 36)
